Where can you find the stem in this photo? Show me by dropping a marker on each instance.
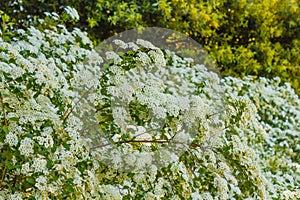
(6, 124)
(209, 116)
(66, 116)
(131, 141)
(150, 141)
(3, 30)
(4, 171)
(3, 110)
(3, 176)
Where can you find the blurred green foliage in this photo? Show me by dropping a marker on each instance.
(244, 37)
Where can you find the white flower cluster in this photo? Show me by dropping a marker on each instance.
(45, 157)
(11, 139)
(161, 100)
(273, 133)
(72, 12)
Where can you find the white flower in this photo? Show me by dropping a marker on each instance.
(72, 12)
(26, 146)
(196, 196)
(110, 55)
(177, 97)
(287, 194)
(189, 60)
(120, 43)
(16, 196)
(130, 159)
(82, 36)
(159, 112)
(141, 134)
(220, 184)
(182, 137)
(77, 180)
(41, 183)
(53, 189)
(120, 115)
(144, 58)
(145, 44)
(111, 192)
(11, 139)
(47, 131)
(133, 46)
(25, 168)
(158, 56)
(39, 165)
(116, 137)
(55, 16)
(150, 196)
(67, 158)
(207, 196)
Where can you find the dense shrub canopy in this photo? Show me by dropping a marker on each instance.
(249, 149)
(243, 37)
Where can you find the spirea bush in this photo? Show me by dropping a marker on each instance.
(240, 137)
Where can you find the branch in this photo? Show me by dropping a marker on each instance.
(3, 110)
(209, 116)
(66, 116)
(151, 141)
(4, 171)
(130, 141)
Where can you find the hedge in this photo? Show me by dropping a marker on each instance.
(240, 136)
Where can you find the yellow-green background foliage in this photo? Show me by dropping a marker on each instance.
(244, 37)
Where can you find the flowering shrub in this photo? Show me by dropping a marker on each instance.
(275, 134)
(41, 155)
(237, 139)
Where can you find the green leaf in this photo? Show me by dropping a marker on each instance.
(9, 165)
(69, 188)
(31, 180)
(29, 135)
(7, 108)
(55, 178)
(67, 146)
(49, 164)
(18, 166)
(130, 175)
(5, 129)
(15, 119)
(5, 18)
(53, 149)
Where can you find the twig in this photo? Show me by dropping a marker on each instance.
(151, 141)
(131, 141)
(6, 124)
(66, 116)
(3, 176)
(4, 171)
(3, 110)
(209, 116)
(162, 141)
